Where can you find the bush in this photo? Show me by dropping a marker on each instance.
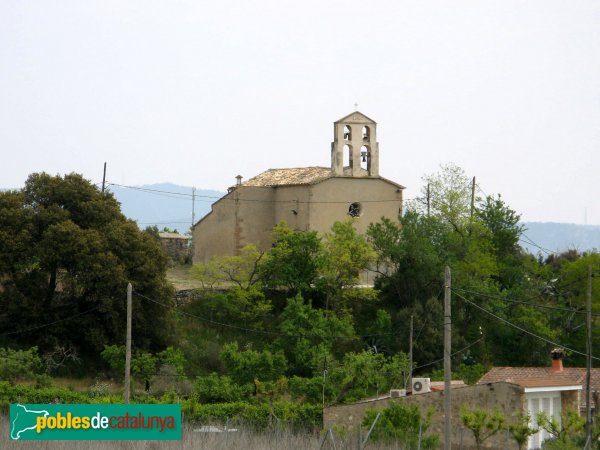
(402, 423)
(19, 364)
(215, 389)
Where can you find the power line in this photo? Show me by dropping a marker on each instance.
(50, 323)
(522, 302)
(258, 331)
(453, 354)
(530, 242)
(183, 196)
(556, 344)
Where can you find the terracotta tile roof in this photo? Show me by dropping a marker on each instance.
(289, 177)
(166, 235)
(543, 377)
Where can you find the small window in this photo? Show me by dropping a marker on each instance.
(347, 155)
(354, 210)
(347, 133)
(366, 133)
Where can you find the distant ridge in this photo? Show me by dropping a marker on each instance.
(164, 204)
(170, 205)
(558, 237)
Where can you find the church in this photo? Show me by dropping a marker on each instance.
(306, 198)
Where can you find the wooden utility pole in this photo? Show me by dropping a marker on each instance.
(104, 178)
(428, 200)
(410, 353)
(473, 197)
(588, 393)
(193, 222)
(447, 361)
(128, 345)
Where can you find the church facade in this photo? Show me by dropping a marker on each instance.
(307, 198)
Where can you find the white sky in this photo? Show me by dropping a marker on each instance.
(195, 92)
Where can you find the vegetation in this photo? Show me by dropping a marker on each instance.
(270, 331)
(67, 251)
(402, 423)
(482, 424)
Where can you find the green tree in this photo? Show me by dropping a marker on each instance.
(404, 424)
(66, 250)
(221, 389)
(482, 424)
(346, 255)
(306, 336)
(19, 364)
(521, 430)
(295, 259)
(244, 366)
(449, 193)
(565, 432)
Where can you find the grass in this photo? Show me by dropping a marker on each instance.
(242, 439)
(181, 277)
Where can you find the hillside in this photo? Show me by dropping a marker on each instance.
(164, 204)
(558, 237)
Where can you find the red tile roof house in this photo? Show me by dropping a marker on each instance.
(550, 389)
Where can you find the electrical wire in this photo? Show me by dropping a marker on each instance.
(258, 331)
(521, 302)
(183, 196)
(50, 323)
(549, 341)
(453, 354)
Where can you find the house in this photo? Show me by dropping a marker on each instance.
(504, 397)
(307, 198)
(175, 245)
(550, 389)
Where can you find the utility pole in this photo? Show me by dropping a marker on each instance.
(128, 345)
(588, 393)
(447, 362)
(472, 197)
(104, 178)
(193, 220)
(410, 353)
(428, 201)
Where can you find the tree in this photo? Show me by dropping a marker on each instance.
(244, 366)
(482, 424)
(404, 424)
(564, 431)
(521, 430)
(67, 251)
(449, 195)
(295, 259)
(346, 255)
(19, 364)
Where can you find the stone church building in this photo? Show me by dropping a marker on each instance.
(307, 198)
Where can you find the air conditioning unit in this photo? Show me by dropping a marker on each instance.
(421, 385)
(395, 393)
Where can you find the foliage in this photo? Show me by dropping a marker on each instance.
(482, 424)
(244, 366)
(19, 364)
(241, 270)
(402, 423)
(66, 250)
(564, 431)
(257, 416)
(305, 332)
(295, 259)
(520, 430)
(366, 374)
(220, 389)
(346, 254)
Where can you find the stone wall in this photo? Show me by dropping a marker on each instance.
(506, 397)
